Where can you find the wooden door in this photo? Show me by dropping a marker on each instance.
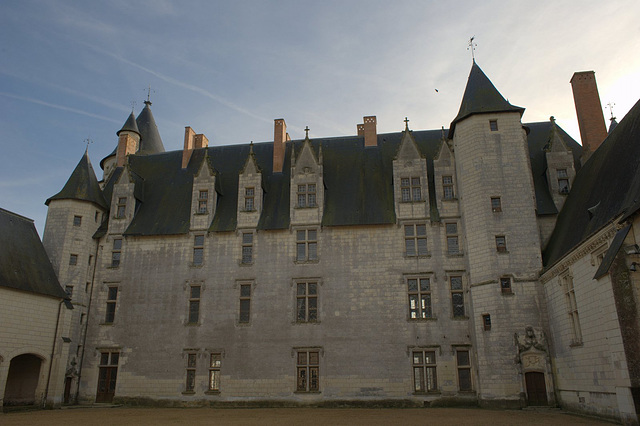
(106, 384)
(536, 388)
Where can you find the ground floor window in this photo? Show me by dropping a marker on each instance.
(463, 361)
(308, 371)
(215, 362)
(424, 371)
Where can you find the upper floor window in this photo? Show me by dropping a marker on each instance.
(249, 198)
(121, 208)
(415, 240)
(112, 298)
(69, 290)
(245, 303)
(447, 187)
(410, 189)
(307, 302)
(563, 181)
(419, 290)
(194, 304)
(457, 296)
(493, 125)
(452, 238)
(501, 243)
(572, 309)
(505, 285)
(203, 202)
(77, 220)
(247, 247)
(307, 195)
(73, 259)
(198, 249)
(496, 204)
(306, 244)
(116, 252)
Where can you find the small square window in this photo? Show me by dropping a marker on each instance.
(77, 220)
(505, 285)
(69, 290)
(496, 204)
(73, 259)
(493, 125)
(486, 322)
(501, 243)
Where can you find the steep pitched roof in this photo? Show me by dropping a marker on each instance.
(358, 181)
(481, 97)
(150, 140)
(24, 264)
(130, 125)
(607, 187)
(82, 185)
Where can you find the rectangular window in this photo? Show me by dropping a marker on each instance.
(464, 370)
(486, 322)
(572, 309)
(112, 298)
(496, 204)
(121, 208)
(69, 290)
(452, 238)
(415, 240)
(308, 366)
(215, 362)
(96, 216)
(457, 296)
(73, 259)
(501, 243)
(307, 195)
(307, 302)
(306, 245)
(198, 250)
(245, 303)
(563, 181)
(505, 285)
(447, 187)
(410, 189)
(493, 125)
(247, 247)
(190, 385)
(249, 198)
(424, 371)
(194, 304)
(77, 220)
(419, 290)
(116, 252)
(203, 202)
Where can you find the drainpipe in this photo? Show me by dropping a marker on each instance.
(53, 350)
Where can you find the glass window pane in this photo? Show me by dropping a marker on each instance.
(113, 293)
(199, 240)
(104, 358)
(417, 194)
(245, 290)
(404, 182)
(313, 251)
(418, 379)
(215, 360)
(464, 379)
(301, 235)
(413, 284)
(410, 247)
(312, 187)
(314, 358)
(313, 235)
(195, 292)
(415, 181)
(456, 283)
(462, 358)
(247, 238)
(417, 358)
(408, 231)
(214, 380)
(117, 244)
(191, 360)
(301, 252)
(421, 230)
(302, 289)
(452, 228)
(422, 246)
(302, 200)
(313, 288)
(424, 284)
(406, 194)
(301, 309)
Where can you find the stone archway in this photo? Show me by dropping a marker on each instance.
(534, 367)
(22, 380)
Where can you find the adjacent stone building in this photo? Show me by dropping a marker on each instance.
(398, 268)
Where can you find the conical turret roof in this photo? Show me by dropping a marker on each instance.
(82, 185)
(481, 97)
(130, 125)
(150, 140)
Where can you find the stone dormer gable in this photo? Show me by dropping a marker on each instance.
(250, 192)
(128, 194)
(560, 170)
(410, 179)
(307, 187)
(203, 193)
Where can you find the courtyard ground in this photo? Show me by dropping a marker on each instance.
(292, 416)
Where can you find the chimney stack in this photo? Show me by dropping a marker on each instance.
(189, 136)
(360, 128)
(200, 141)
(370, 132)
(589, 111)
(127, 144)
(280, 137)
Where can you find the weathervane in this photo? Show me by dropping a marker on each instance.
(148, 101)
(472, 47)
(133, 105)
(610, 106)
(88, 141)
(306, 132)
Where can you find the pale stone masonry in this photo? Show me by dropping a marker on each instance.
(378, 268)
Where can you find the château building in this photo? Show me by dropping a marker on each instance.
(490, 263)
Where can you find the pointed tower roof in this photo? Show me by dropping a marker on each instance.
(613, 125)
(150, 140)
(82, 185)
(481, 97)
(130, 125)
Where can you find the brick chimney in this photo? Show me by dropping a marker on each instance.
(370, 132)
(360, 128)
(127, 144)
(280, 137)
(200, 141)
(589, 111)
(189, 136)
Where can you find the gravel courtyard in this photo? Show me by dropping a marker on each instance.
(291, 416)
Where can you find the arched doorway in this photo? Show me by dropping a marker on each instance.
(22, 380)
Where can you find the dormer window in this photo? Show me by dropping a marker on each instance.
(447, 187)
(307, 195)
(563, 181)
(121, 207)
(203, 201)
(410, 189)
(249, 197)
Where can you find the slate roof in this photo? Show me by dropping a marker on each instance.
(129, 126)
(24, 264)
(358, 181)
(150, 140)
(82, 185)
(481, 97)
(606, 188)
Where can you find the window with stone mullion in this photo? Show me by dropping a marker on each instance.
(415, 240)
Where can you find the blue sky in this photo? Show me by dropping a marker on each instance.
(70, 70)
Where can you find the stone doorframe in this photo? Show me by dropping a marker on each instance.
(533, 356)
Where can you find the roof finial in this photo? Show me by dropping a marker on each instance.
(148, 101)
(472, 47)
(87, 141)
(306, 131)
(610, 106)
(406, 123)
(133, 105)
(251, 148)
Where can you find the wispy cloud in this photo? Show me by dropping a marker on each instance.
(60, 107)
